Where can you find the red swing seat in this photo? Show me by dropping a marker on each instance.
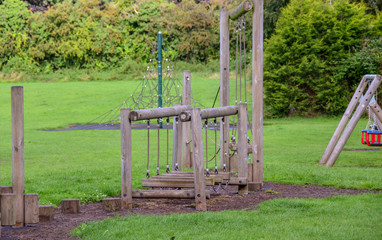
(371, 138)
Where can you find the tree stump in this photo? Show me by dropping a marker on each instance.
(111, 204)
(70, 205)
(8, 213)
(46, 213)
(31, 208)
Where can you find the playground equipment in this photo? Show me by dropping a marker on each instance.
(366, 101)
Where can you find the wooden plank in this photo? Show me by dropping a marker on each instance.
(224, 86)
(46, 213)
(18, 183)
(186, 126)
(238, 181)
(174, 182)
(242, 151)
(240, 10)
(177, 194)
(354, 120)
(70, 205)
(158, 112)
(345, 118)
(257, 91)
(31, 208)
(8, 209)
(6, 189)
(197, 148)
(126, 161)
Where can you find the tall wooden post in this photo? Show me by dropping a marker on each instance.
(197, 147)
(18, 183)
(186, 126)
(354, 120)
(242, 148)
(177, 143)
(126, 160)
(345, 118)
(378, 113)
(224, 85)
(257, 95)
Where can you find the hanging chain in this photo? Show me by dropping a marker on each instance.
(216, 145)
(159, 123)
(168, 126)
(148, 149)
(206, 129)
(176, 162)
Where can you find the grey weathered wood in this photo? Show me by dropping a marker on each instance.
(174, 182)
(177, 194)
(126, 161)
(354, 120)
(242, 151)
(177, 142)
(345, 118)
(111, 204)
(378, 112)
(186, 126)
(6, 189)
(257, 91)
(46, 213)
(238, 181)
(197, 150)
(243, 8)
(18, 183)
(211, 113)
(70, 205)
(8, 209)
(224, 85)
(158, 112)
(31, 208)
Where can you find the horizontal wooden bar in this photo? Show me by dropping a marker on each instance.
(5, 189)
(211, 113)
(158, 112)
(173, 182)
(243, 8)
(238, 181)
(178, 194)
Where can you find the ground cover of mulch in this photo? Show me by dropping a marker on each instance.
(63, 224)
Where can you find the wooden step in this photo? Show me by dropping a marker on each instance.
(173, 182)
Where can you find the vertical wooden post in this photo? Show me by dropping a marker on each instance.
(242, 145)
(345, 118)
(177, 143)
(354, 120)
(197, 150)
(257, 93)
(8, 209)
(31, 208)
(126, 161)
(18, 183)
(224, 85)
(378, 112)
(186, 126)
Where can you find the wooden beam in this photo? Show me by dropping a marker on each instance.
(6, 189)
(240, 10)
(177, 143)
(377, 111)
(257, 91)
(158, 112)
(8, 209)
(224, 86)
(46, 213)
(111, 204)
(177, 194)
(70, 205)
(174, 182)
(186, 127)
(345, 118)
(354, 120)
(31, 208)
(126, 160)
(197, 150)
(18, 183)
(238, 181)
(211, 113)
(242, 152)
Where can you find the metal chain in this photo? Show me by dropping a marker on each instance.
(148, 150)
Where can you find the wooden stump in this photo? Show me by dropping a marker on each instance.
(31, 208)
(111, 204)
(8, 206)
(70, 205)
(46, 213)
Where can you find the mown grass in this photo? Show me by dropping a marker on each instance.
(344, 217)
(86, 164)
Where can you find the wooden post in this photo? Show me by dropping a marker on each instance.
(257, 93)
(8, 209)
(177, 143)
(70, 205)
(243, 8)
(186, 127)
(197, 150)
(345, 118)
(126, 160)
(354, 120)
(242, 149)
(46, 213)
(378, 112)
(224, 85)
(111, 204)
(31, 208)
(18, 183)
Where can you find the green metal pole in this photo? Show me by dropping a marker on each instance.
(160, 73)
(159, 69)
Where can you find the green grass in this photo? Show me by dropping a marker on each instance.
(86, 164)
(344, 217)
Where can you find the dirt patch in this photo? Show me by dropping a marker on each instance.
(62, 224)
